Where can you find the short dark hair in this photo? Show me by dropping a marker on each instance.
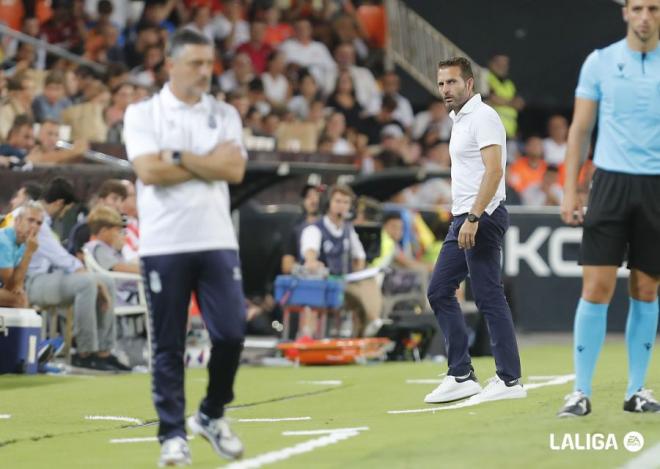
(56, 77)
(112, 186)
(392, 215)
(32, 189)
(184, 37)
(389, 103)
(20, 121)
(59, 189)
(461, 62)
(341, 189)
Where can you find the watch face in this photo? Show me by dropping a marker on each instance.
(472, 218)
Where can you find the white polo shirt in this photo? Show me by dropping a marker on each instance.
(194, 215)
(476, 126)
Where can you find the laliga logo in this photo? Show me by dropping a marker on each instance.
(632, 441)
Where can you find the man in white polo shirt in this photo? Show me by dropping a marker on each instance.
(185, 147)
(474, 242)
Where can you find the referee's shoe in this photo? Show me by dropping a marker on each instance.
(642, 402)
(576, 405)
(223, 440)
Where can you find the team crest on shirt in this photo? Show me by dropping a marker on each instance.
(327, 245)
(154, 282)
(237, 274)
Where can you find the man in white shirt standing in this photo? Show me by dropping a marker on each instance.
(185, 147)
(554, 145)
(474, 242)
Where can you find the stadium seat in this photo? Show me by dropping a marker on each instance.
(125, 310)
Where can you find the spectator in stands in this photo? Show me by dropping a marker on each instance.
(107, 240)
(276, 31)
(146, 73)
(112, 194)
(3, 85)
(20, 141)
(347, 30)
(276, 86)
(554, 145)
(87, 83)
(366, 89)
(46, 150)
(132, 231)
(24, 59)
(391, 85)
(148, 34)
(57, 278)
(17, 245)
(231, 28)
(305, 52)
(527, 169)
(116, 74)
(200, 22)
(332, 243)
(86, 119)
(32, 28)
(66, 28)
(311, 200)
(122, 95)
(241, 102)
(373, 125)
(503, 96)
(118, 11)
(335, 131)
(53, 100)
(434, 119)
(546, 192)
(257, 97)
(158, 12)
(20, 89)
(238, 76)
(308, 92)
(344, 100)
(256, 48)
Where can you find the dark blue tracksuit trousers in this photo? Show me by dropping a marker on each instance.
(169, 280)
(482, 263)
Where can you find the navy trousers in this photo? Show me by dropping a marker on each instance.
(215, 276)
(482, 263)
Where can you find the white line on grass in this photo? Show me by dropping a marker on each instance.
(5, 416)
(474, 400)
(286, 453)
(649, 459)
(543, 377)
(327, 382)
(113, 418)
(324, 431)
(146, 439)
(285, 419)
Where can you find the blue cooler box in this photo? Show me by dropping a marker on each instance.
(290, 290)
(20, 330)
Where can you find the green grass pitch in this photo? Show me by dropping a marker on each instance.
(47, 428)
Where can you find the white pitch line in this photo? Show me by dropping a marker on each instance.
(5, 416)
(285, 419)
(649, 459)
(423, 381)
(324, 431)
(327, 382)
(474, 400)
(114, 418)
(543, 377)
(286, 453)
(146, 439)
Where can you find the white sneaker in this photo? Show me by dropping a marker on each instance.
(217, 432)
(175, 452)
(496, 390)
(452, 389)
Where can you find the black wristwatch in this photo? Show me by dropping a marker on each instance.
(472, 218)
(176, 158)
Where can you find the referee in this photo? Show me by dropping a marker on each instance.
(185, 147)
(621, 85)
(474, 242)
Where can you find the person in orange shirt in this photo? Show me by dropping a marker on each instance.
(527, 169)
(12, 13)
(276, 31)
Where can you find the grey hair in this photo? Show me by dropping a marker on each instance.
(184, 37)
(29, 205)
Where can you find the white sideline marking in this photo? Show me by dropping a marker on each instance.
(562, 379)
(300, 448)
(113, 418)
(649, 459)
(423, 381)
(285, 419)
(324, 431)
(328, 382)
(146, 439)
(543, 377)
(5, 416)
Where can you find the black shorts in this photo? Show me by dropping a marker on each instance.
(623, 217)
